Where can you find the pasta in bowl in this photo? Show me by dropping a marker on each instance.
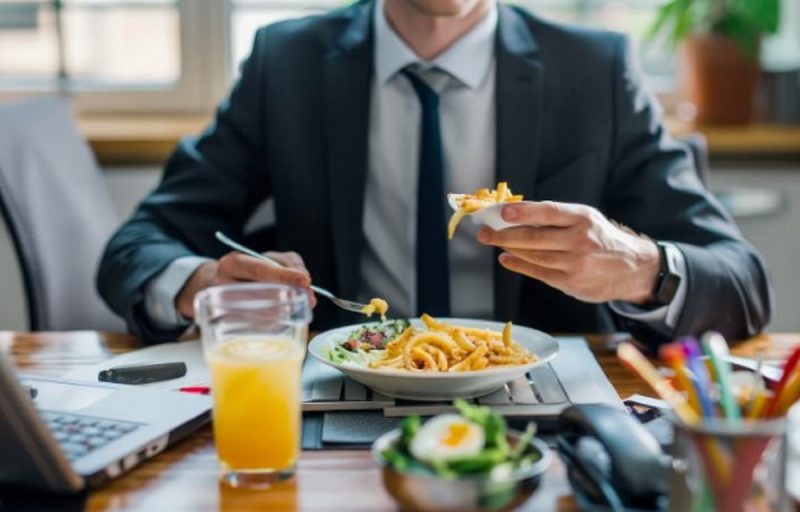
(434, 359)
(451, 348)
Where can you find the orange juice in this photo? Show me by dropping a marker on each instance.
(256, 387)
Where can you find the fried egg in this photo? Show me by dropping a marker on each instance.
(447, 437)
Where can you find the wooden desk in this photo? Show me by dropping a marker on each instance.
(149, 139)
(185, 477)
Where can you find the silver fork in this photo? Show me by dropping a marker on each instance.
(349, 305)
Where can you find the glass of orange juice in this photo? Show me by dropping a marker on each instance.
(254, 338)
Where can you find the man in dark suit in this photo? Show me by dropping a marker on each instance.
(357, 122)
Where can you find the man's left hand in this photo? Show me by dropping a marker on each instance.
(577, 250)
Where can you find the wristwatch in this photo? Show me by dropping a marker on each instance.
(668, 279)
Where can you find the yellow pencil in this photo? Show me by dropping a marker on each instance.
(759, 405)
(789, 395)
(672, 354)
(630, 355)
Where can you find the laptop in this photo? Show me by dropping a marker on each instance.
(341, 413)
(77, 434)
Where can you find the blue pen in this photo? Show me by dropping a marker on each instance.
(701, 380)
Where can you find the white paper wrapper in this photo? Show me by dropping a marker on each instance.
(490, 216)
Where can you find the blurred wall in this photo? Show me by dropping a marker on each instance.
(777, 234)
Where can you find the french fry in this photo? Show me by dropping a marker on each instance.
(466, 364)
(417, 354)
(395, 346)
(440, 355)
(463, 341)
(507, 334)
(480, 364)
(481, 198)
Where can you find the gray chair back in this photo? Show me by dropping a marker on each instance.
(58, 212)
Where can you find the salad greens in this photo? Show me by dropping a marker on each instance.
(367, 343)
(340, 355)
(496, 453)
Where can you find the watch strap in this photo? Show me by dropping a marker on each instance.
(668, 279)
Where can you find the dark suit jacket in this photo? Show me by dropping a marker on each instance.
(574, 123)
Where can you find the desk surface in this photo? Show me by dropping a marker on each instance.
(185, 477)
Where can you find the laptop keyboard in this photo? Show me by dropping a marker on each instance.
(79, 435)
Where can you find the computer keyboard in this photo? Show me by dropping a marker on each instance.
(79, 435)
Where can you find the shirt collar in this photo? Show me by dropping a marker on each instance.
(469, 59)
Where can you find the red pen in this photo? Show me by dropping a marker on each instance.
(788, 369)
(200, 390)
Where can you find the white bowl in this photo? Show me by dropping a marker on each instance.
(438, 386)
(491, 216)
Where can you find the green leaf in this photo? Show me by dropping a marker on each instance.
(763, 15)
(684, 22)
(480, 462)
(395, 458)
(743, 33)
(522, 443)
(337, 354)
(744, 21)
(442, 469)
(494, 425)
(404, 462)
(495, 430)
(408, 429)
(662, 19)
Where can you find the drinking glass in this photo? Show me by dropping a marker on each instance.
(254, 338)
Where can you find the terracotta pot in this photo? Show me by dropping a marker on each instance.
(719, 79)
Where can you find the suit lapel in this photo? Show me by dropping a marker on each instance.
(347, 78)
(518, 89)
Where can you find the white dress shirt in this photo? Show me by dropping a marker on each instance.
(467, 120)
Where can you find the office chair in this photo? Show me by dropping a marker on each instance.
(58, 212)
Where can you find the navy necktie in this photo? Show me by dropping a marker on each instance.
(433, 276)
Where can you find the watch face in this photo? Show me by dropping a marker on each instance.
(668, 289)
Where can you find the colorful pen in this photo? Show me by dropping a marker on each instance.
(788, 370)
(636, 361)
(759, 406)
(691, 350)
(672, 355)
(789, 395)
(716, 348)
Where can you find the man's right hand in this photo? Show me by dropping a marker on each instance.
(236, 267)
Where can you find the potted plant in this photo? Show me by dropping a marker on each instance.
(720, 42)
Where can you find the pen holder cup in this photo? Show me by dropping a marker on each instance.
(731, 467)
(793, 464)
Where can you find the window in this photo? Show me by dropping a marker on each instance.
(98, 43)
(112, 55)
(246, 16)
(179, 56)
(630, 16)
